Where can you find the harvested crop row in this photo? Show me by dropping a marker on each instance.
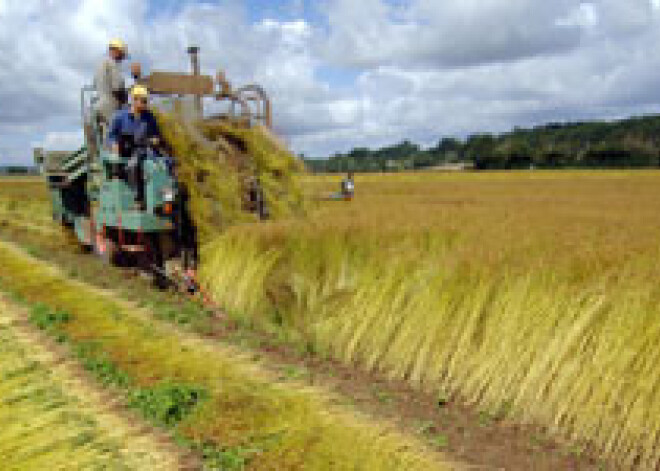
(219, 162)
(52, 420)
(242, 413)
(25, 205)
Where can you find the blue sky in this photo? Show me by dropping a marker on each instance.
(343, 73)
(256, 10)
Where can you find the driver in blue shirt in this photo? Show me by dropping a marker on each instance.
(134, 132)
(134, 125)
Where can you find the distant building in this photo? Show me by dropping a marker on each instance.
(454, 167)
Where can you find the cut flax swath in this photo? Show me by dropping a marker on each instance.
(218, 160)
(52, 419)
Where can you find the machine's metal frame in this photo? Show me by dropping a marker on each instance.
(249, 103)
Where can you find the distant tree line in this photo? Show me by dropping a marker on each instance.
(17, 170)
(629, 143)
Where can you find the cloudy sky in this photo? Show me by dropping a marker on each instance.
(344, 73)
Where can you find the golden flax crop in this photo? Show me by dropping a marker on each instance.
(533, 295)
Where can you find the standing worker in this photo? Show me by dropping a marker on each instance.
(348, 187)
(136, 74)
(110, 85)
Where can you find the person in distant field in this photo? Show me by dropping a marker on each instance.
(109, 83)
(346, 190)
(348, 187)
(134, 130)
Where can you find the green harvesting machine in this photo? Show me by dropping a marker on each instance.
(94, 198)
(144, 223)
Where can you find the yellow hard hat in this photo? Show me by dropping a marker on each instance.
(139, 91)
(117, 44)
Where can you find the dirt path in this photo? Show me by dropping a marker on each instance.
(54, 418)
(466, 435)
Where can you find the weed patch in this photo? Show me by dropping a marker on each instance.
(48, 320)
(99, 364)
(167, 404)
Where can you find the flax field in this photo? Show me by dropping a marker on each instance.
(532, 295)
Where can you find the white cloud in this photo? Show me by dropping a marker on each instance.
(371, 73)
(584, 16)
(456, 67)
(61, 140)
(447, 33)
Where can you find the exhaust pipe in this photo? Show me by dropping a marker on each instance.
(193, 51)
